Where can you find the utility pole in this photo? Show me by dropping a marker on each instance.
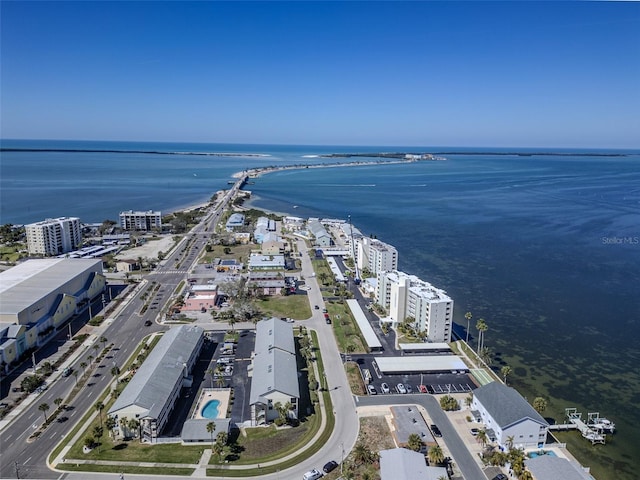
(341, 457)
(70, 334)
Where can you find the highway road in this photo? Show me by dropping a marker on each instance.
(21, 459)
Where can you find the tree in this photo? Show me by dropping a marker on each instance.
(539, 404)
(322, 276)
(486, 355)
(110, 423)
(103, 340)
(134, 426)
(414, 442)
(90, 358)
(505, 372)
(482, 437)
(115, 371)
(468, 400)
(88, 442)
(99, 407)
(58, 401)
(97, 431)
(211, 427)
(436, 455)
(468, 316)
(525, 475)
(83, 365)
(361, 454)
(44, 407)
(482, 327)
(124, 421)
(509, 442)
(75, 375)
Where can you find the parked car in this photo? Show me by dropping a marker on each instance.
(385, 388)
(330, 466)
(372, 390)
(400, 388)
(475, 431)
(500, 476)
(422, 388)
(409, 388)
(435, 430)
(312, 475)
(317, 307)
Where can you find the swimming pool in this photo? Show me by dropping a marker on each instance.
(540, 453)
(210, 410)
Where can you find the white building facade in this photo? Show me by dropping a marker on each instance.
(403, 295)
(507, 416)
(54, 236)
(141, 221)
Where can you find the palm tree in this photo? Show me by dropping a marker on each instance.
(99, 407)
(58, 401)
(83, 365)
(482, 327)
(468, 400)
(103, 340)
(90, 358)
(115, 371)
(361, 454)
(525, 475)
(436, 455)
(124, 421)
(505, 372)
(110, 423)
(414, 442)
(482, 437)
(44, 407)
(468, 316)
(232, 321)
(539, 404)
(509, 442)
(134, 425)
(96, 348)
(211, 427)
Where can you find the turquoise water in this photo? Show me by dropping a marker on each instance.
(210, 410)
(546, 249)
(543, 452)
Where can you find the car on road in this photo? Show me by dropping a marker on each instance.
(330, 466)
(401, 389)
(372, 390)
(385, 388)
(317, 307)
(324, 310)
(312, 475)
(422, 388)
(435, 430)
(475, 431)
(500, 476)
(147, 323)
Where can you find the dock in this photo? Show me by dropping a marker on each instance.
(593, 429)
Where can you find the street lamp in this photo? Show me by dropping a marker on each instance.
(341, 456)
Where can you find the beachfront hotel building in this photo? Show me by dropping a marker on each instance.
(406, 296)
(274, 371)
(38, 296)
(54, 236)
(505, 413)
(151, 394)
(374, 255)
(141, 221)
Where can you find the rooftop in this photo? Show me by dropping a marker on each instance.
(506, 405)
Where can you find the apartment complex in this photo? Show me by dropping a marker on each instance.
(54, 236)
(406, 296)
(374, 255)
(141, 221)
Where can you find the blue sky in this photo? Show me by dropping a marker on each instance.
(547, 74)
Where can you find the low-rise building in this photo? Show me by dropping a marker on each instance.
(406, 421)
(322, 238)
(235, 221)
(200, 297)
(266, 283)
(508, 417)
(549, 467)
(274, 373)
(404, 464)
(258, 261)
(151, 394)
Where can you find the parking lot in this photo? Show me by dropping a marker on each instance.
(434, 383)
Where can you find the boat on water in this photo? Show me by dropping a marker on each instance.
(603, 425)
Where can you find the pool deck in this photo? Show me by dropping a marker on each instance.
(223, 395)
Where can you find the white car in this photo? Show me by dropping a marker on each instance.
(401, 388)
(385, 388)
(312, 475)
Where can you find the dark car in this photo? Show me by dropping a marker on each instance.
(500, 476)
(329, 466)
(436, 431)
(147, 323)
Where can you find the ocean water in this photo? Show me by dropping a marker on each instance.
(545, 248)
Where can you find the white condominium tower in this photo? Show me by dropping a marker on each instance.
(144, 221)
(404, 296)
(375, 255)
(54, 236)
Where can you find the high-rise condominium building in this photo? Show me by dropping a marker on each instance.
(144, 221)
(54, 236)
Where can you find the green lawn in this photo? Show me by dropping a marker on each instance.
(293, 306)
(73, 467)
(345, 328)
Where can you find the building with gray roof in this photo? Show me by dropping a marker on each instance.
(320, 234)
(195, 429)
(235, 221)
(151, 394)
(42, 295)
(408, 420)
(275, 371)
(403, 464)
(549, 467)
(507, 414)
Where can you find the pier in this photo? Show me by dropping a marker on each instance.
(593, 429)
